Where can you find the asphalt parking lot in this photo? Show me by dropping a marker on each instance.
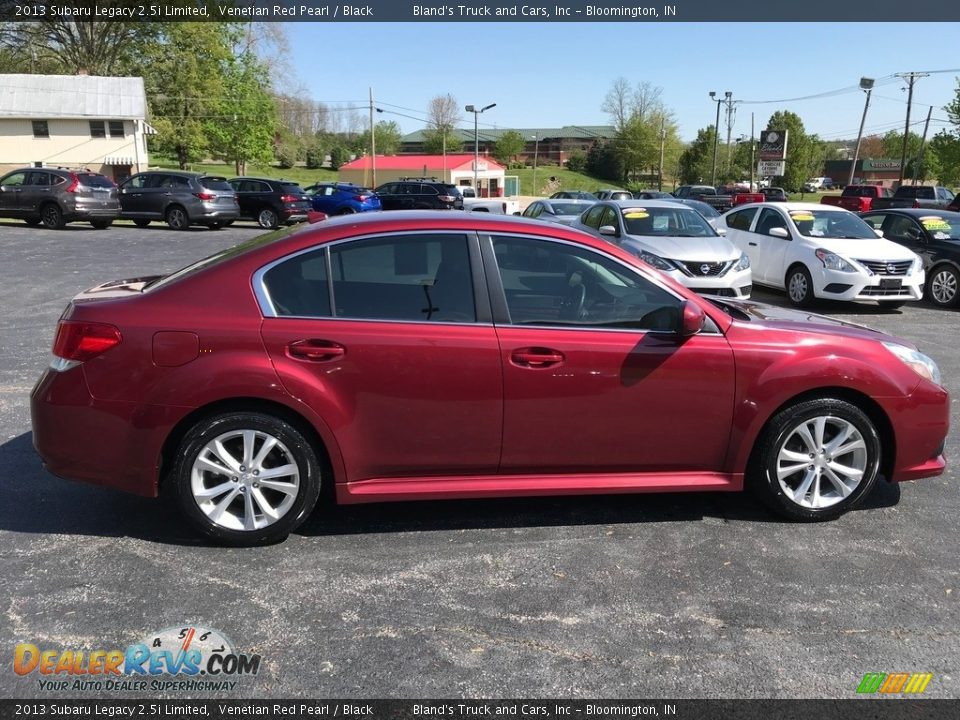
(700, 595)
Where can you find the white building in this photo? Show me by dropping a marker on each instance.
(74, 121)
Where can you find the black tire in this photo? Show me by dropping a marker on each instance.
(101, 224)
(32, 222)
(799, 286)
(267, 219)
(52, 216)
(780, 435)
(177, 218)
(891, 304)
(141, 223)
(292, 447)
(347, 211)
(943, 286)
(227, 223)
(215, 226)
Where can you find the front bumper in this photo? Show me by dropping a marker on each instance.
(836, 285)
(921, 423)
(735, 283)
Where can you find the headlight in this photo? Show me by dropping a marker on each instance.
(918, 362)
(658, 262)
(832, 261)
(917, 266)
(743, 263)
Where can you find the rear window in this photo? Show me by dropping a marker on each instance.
(95, 180)
(291, 187)
(215, 183)
(451, 190)
(911, 191)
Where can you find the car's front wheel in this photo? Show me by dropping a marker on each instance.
(799, 286)
(815, 459)
(246, 478)
(943, 286)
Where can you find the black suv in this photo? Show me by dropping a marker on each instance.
(270, 202)
(55, 197)
(419, 194)
(180, 198)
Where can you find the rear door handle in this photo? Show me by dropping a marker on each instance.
(316, 350)
(752, 244)
(536, 357)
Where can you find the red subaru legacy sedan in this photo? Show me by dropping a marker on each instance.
(406, 356)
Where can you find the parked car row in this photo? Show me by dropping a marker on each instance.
(55, 197)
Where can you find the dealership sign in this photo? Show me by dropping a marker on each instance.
(771, 168)
(773, 144)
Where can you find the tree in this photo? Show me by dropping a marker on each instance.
(623, 102)
(508, 146)
(603, 161)
(339, 155)
(924, 166)
(945, 146)
(184, 81)
(245, 125)
(437, 141)
(805, 153)
(696, 161)
(389, 138)
(443, 112)
(577, 161)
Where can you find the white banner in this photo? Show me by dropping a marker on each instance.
(771, 168)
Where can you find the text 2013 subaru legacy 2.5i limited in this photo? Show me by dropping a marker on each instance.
(428, 355)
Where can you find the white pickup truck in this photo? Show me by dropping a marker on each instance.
(499, 206)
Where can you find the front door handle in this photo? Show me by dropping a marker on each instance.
(316, 350)
(752, 244)
(537, 357)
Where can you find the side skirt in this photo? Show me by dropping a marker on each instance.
(490, 486)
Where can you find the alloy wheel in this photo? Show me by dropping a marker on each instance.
(943, 287)
(798, 288)
(245, 480)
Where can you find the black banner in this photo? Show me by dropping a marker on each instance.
(492, 11)
(856, 709)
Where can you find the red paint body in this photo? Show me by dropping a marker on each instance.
(442, 410)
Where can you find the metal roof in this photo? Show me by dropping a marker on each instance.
(41, 97)
(493, 134)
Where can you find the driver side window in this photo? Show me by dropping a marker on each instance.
(555, 284)
(770, 219)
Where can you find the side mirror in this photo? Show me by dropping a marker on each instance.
(721, 230)
(880, 233)
(780, 233)
(609, 230)
(692, 319)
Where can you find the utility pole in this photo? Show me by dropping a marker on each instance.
(731, 113)
(373, 145)
(923, 142)
(911, 79)
(753, 145)
(716, 134)
(663, 138)
(865, 84)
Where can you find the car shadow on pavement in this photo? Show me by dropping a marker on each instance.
(34, 501)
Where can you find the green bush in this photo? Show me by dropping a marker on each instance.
(577, 161)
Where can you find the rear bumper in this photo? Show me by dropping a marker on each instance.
(81, 212)
(108, 443)
(215, 214)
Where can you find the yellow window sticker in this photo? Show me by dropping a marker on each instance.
(634, 215)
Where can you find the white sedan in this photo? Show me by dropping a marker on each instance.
(817, 251)
(676, 240)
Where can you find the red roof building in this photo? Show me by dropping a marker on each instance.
(453, 168)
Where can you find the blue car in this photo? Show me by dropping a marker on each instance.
(338, 198)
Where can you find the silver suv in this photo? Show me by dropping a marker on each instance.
(181, 199)
(54, 197)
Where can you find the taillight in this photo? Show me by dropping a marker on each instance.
(447, 198)
(206, 195)
(289, 199)
(916, 203)
(360, 198)
(74, 184)
(82, 341)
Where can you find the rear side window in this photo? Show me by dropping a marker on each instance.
(215, 183)
(298, 287)
(741, 219)
(404, 277)
(95, 180)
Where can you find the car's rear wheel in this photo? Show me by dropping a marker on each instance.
(177, 218)
(347, 211)
(140, 223)
(52, 216)
(799, 286)
(246, 478)
(816, 459)
(267, 219)
(943, 286)
(101, 224)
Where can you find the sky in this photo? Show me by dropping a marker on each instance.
(550, 75)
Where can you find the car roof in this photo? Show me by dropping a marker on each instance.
(915, 212)
(788, 206)
(642, 203)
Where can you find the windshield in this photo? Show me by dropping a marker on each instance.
(831, 224)
(664, 221)
(568, 208)
(942, 227)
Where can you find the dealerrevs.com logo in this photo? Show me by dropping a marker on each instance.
(174, 659)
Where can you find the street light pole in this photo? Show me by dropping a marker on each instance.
(865, 84)
(536, 150)
(716, 137)
(476, 140)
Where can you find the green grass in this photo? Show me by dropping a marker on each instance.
(298, 174)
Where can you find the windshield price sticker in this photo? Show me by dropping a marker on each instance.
(932, 222)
